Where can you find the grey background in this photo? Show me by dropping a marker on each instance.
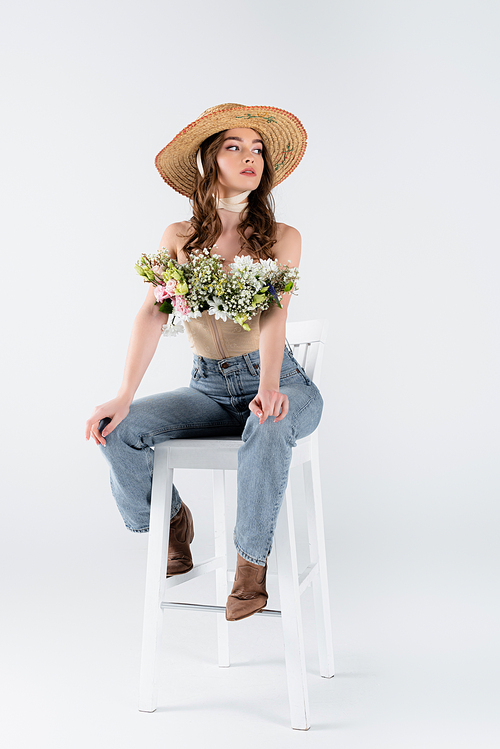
(397, 203)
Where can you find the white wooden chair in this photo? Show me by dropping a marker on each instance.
(218, 454)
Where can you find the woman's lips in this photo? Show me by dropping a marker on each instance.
(248, 171)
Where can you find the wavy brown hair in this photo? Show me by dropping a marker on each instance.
(259, 217)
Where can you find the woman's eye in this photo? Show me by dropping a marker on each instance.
(258, 151)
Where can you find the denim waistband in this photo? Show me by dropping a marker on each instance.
(248, 361)
(231, 364)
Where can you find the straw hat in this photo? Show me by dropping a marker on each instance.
(283, 135)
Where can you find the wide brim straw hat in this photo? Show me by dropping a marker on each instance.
(283, 135)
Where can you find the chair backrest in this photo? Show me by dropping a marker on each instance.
(307, 341)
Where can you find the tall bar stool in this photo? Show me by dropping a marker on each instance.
(307, 340)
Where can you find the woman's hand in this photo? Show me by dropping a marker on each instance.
(269, 403)
(115, 409)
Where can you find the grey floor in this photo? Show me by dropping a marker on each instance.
(415, 644)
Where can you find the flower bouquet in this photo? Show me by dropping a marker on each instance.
(187, 290)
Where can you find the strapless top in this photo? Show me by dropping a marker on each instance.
(216, 339)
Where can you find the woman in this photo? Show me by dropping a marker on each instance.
(243, 382)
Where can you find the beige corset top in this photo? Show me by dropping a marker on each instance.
(215, 339)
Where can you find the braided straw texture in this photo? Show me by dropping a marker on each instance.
(283, 134)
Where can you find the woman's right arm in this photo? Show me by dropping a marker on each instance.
(146, 332)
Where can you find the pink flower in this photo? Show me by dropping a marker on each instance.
(170, 286)
(161, 294)
(180, 305)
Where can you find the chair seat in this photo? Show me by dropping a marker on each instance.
(218, 453)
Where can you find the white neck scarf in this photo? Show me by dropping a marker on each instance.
(234, 204)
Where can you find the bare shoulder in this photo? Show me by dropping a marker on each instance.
(174, 237)
(289, 233)
(287, 248)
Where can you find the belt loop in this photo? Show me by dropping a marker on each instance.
(249, 364)
(201, 365)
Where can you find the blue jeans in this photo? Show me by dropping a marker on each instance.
(216, 404)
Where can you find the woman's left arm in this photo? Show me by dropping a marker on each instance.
(269, 401)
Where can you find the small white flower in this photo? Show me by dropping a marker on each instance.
(241, 262)
(269, 264)
(173, 329)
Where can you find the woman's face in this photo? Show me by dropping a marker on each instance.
(240, 161)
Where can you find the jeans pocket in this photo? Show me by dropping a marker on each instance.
(288, 374)
(297, 371)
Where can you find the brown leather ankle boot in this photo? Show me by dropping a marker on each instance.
(181, 535)
(249, 590)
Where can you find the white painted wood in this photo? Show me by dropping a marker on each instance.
(314, 333)
(306, 577)
(301, 452)
(317, 548)
(208, 565)
(306, 331)
(291, 615)
(215, 453)
(300, 352)
(206, 453)
(161, 499)
(219, 495)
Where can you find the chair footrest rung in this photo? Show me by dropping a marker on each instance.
(207, 607)
(210, 565)
(306, 577)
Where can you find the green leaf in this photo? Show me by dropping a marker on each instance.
(166, 307)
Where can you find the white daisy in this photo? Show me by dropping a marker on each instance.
(217, 308)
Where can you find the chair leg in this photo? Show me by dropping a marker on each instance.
(159, 531)
(291, 616)
(221, 572)
(318, 554)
